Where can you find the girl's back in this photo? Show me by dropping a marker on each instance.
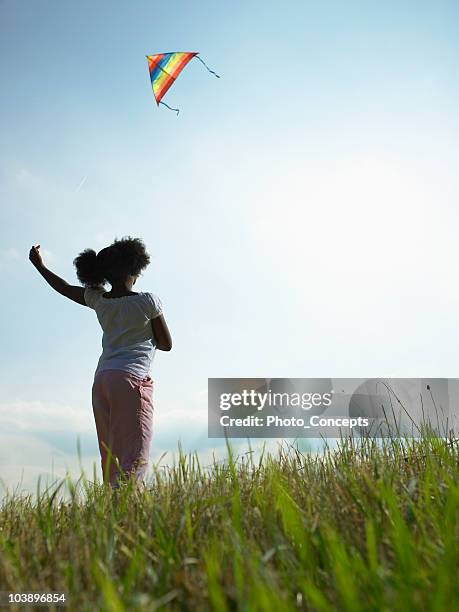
(128, 342)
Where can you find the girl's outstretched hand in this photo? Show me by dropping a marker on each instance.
(73, 292)
(35, 257)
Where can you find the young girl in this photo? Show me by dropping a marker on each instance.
(133, 327)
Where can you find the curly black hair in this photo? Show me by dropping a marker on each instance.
(124, 257)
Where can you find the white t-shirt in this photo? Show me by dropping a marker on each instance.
(127, 342)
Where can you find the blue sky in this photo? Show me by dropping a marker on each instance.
(301, 212)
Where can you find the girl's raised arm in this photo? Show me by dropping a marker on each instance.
(73, 292)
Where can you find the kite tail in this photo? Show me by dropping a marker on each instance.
(170, 107)
(202, 62)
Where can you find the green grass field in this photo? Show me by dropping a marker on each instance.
(368, 526)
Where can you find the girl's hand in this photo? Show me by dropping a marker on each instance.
(35, 257)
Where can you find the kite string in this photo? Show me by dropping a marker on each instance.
(170, 107)
(203, 62)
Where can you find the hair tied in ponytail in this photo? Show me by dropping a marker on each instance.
(89, 269)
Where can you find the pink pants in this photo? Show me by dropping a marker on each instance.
(123, 411)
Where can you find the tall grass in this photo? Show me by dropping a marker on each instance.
(370, 525)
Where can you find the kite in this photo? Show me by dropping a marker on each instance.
(164, 69)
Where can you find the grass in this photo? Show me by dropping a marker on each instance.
(371, 525)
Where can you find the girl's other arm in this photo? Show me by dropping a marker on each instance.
(73, 292)
(161, 333)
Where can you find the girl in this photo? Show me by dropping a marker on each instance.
(133, 327)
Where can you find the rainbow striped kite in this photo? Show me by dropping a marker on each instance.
(164, 69)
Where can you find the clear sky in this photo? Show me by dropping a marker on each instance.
(301, 212)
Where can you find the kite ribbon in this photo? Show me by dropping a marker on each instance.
(170, 107)
(203, 62)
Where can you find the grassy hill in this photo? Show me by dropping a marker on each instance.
(368, 526)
